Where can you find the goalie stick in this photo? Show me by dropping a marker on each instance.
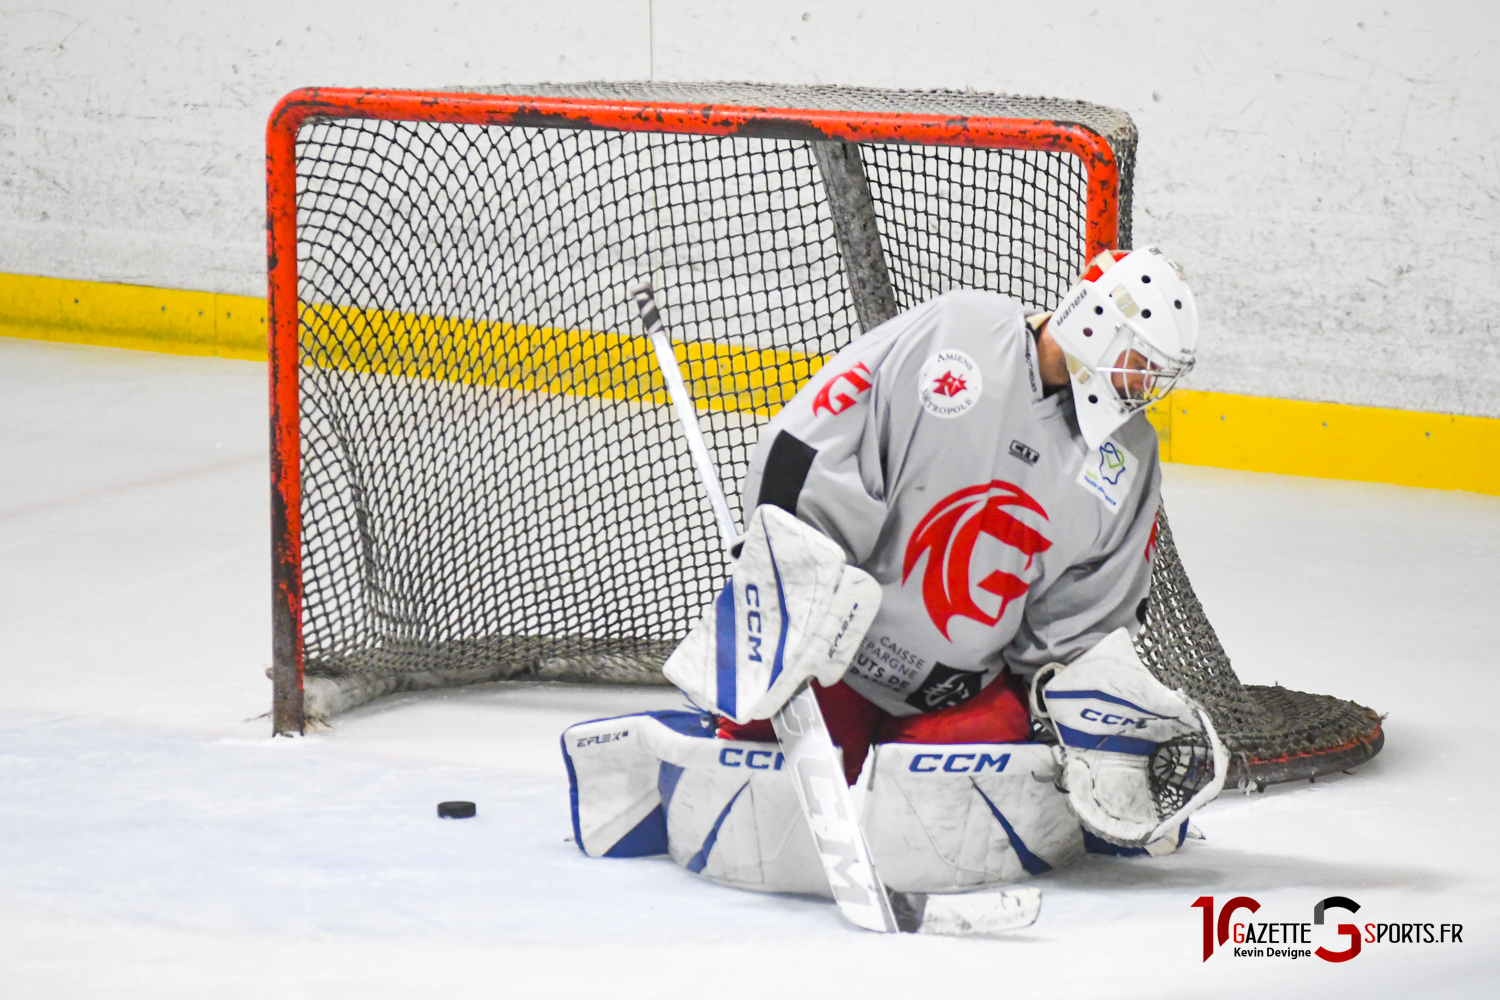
(812, 760)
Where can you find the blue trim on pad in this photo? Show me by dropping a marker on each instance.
(699, 861)
(1033, 864)
(646, 838)
(667, 776)
(1101, 696)
(726, 696)
(688, 723)
(785, 620)
(1114, 744)
(572, 791)
(1095, 844)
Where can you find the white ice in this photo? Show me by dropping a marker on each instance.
(155, 841)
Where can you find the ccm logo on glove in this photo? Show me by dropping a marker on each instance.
(1111, 719)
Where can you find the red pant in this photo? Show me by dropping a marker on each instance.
(996, 715)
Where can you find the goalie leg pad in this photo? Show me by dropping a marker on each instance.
(733, 818)
(1116, 722)
(961, 817)
(792, 610)
(660, 783)
(614, 780)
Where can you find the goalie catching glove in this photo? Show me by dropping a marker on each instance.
(793, 610)
(1138, 758)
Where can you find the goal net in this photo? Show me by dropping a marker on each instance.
(477, 471)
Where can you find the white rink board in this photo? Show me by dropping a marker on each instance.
(1326, 172)
(155, 842)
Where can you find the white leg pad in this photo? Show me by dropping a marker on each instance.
(733, 817)
(967, 816)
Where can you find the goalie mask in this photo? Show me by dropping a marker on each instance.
(1128, 330)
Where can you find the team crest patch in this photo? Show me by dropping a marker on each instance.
(1107, 473)
(947, 537)
(950, 384)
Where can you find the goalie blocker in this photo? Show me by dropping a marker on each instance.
(792, 611)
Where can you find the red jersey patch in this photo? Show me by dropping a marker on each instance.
(947, 535)
(949, 385)
(842, 391)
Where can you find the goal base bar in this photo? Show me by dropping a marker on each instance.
(1300, 736)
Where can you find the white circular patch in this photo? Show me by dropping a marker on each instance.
(949, 384)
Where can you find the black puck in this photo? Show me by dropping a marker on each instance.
(455, 810)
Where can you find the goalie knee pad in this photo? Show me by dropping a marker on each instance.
(1138, 757)
(614, 780)
(960, 817)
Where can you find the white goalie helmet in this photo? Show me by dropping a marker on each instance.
(1128, 330)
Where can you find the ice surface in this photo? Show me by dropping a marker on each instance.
(156, 842)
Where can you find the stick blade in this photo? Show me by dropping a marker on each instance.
(980, 914)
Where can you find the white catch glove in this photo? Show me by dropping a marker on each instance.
(792, 610)
(1111, 716)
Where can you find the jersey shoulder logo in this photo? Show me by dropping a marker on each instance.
(950, 384)
(842, 391)
(1107, 473)
(947, 536)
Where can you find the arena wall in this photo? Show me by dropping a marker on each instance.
(1327, 172)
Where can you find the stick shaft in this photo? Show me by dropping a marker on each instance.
(810, 755)
(687, 416)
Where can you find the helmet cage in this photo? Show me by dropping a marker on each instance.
(1142, 373)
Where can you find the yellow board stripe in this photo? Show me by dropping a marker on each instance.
(1258, 434)
(613, 366)
(133, 316)
(1330, 440)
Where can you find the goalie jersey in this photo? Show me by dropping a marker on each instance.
(928, 450)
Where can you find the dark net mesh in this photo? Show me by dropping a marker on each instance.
(493, 482)
(1179, 769)
(1271, 733)
(954, 217)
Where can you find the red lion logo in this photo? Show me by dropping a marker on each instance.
(948, 533)
(857, 380)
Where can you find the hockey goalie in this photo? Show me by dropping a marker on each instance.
(949, 537)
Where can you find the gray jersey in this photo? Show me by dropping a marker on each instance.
(928, 451)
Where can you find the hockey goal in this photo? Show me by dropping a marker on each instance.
(476, 473)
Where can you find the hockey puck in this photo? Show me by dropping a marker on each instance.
(455, 810)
